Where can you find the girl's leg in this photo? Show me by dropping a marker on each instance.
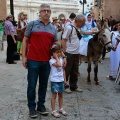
(54, 95)
(54, 112)
(60, 100)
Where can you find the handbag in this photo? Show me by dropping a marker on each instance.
(20, 31)
(20, 34)
(16, 56)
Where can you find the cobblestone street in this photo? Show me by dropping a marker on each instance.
(100, 102)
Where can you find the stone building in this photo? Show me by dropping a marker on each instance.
(3, 9)
(31, 7)
(111, 7)
(59, 7)
(108, 7)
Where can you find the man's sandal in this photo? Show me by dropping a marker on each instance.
(55, 114)
(62, 111)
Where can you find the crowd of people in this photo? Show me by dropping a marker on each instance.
(55, 48)
(9, 30)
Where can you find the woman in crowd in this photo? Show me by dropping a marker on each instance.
(114, 55)
(89, 29)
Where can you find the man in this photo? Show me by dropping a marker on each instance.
(62, 19)
(112, 22)
(71, 19)
(70, 44)
(40, 35)
(10, 31)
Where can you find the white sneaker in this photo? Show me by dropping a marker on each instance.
(78, 90)
(67, 90)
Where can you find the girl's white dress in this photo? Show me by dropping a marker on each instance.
(114, 56)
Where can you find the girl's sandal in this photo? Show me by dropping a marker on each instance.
(62, 111)
(55, 114)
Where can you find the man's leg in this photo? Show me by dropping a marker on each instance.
(43, 81)
(74, 73)
(10, 49)
(68, 68)
(33, 71)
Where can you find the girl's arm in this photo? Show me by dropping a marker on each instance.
(57, 63)
(65, 82)
(114, 49)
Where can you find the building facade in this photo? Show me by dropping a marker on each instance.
(108, 8)
(111, 7)
(3, 9)
(59, 7)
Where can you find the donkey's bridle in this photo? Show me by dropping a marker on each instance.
(101, 44)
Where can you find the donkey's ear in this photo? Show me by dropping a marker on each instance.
(102, 24)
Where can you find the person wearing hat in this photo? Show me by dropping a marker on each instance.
(11, 33)
(54, 19)
(115, 54)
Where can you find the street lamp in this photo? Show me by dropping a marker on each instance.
(84, 2)
(12, 8)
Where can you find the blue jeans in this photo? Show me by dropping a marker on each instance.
(37, 69)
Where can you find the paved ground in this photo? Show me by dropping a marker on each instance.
(100, 102)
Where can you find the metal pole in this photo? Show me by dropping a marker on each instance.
(12, 8)
(83, 6)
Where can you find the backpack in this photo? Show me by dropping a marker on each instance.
(78, 33)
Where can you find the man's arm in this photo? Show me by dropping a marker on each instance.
(12, 34)
(63, 42)
(89, 33)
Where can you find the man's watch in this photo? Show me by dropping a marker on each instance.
(64, 56)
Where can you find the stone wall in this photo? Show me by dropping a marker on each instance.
(3, 9)
(108, 7)
(111, 7)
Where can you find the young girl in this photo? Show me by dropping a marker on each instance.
(57, 78)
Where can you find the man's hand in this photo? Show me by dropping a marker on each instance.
(15, 41)
(64, 62)
(24, 62)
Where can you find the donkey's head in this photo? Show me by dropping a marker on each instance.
(105, 38)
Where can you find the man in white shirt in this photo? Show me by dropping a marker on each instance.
(71, 19)
(70, 44)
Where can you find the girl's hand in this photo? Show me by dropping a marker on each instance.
(114, 48)
(65, 83)
(55, 55)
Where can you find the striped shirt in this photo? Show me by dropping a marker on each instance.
(41, 38)
(9, 28)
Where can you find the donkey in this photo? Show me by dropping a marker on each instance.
(95, 50)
